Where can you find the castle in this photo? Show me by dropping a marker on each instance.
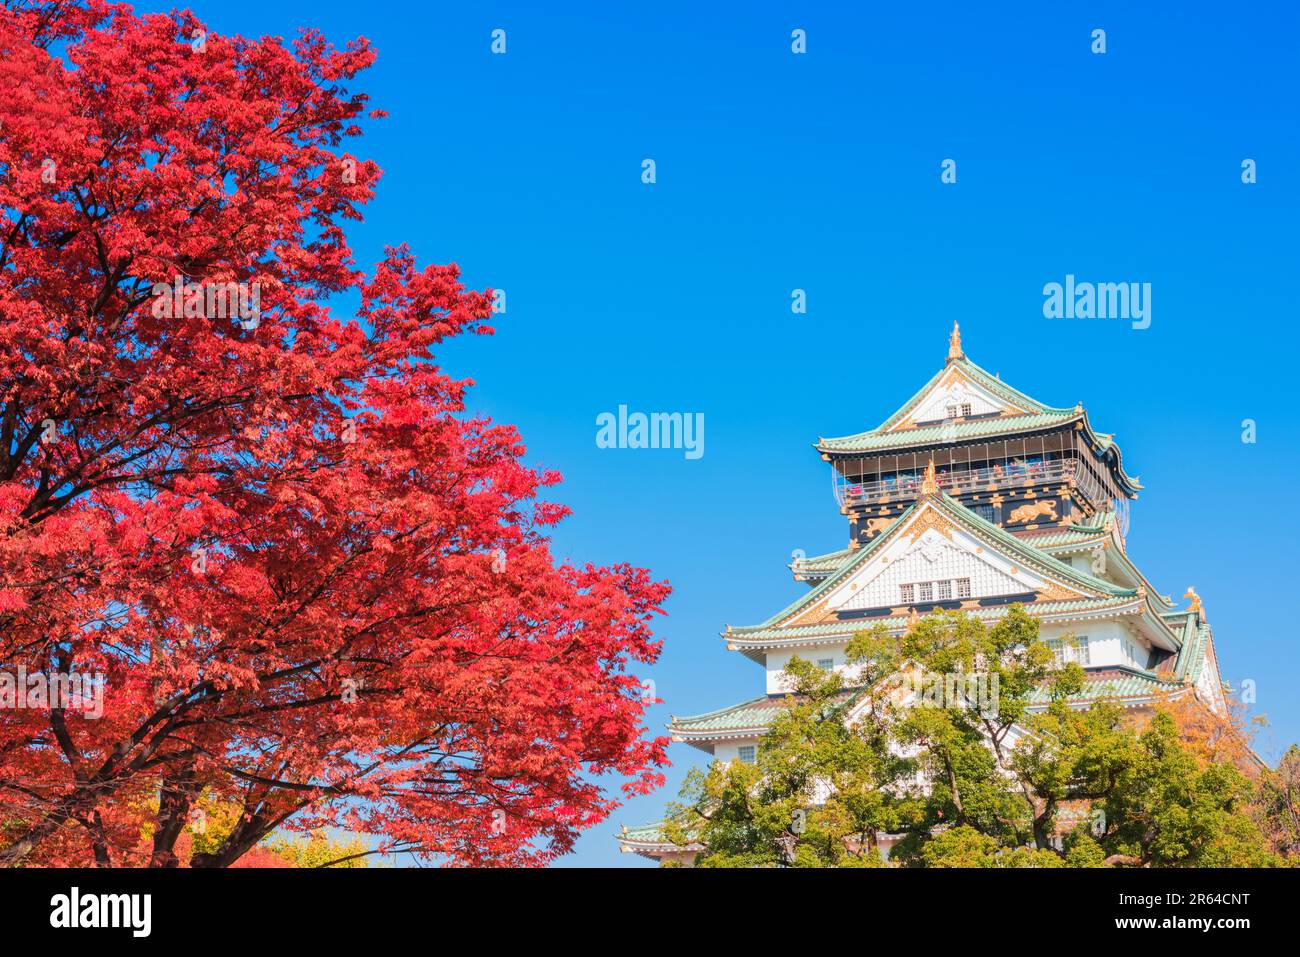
(972, 496)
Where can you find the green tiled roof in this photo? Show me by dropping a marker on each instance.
(1191, 657)
(650, 839)
(1121, 683)
(1037, 417)
(979, 375)
(822, 564)
(1075, 533)
(875, 441)
(749, 715)
(1124, 684)
(645, 834)
(754, 715)
(1026, 550)
(838, 629)
(982, 529)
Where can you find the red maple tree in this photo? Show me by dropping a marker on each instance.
(313, 584)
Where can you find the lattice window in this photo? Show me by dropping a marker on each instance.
(1066, 652)
(963, 587)
(908, 593)
(943, 590)
(925, 591)
(748, 753)
(825, 664)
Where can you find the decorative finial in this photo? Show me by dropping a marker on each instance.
(1196, 599)
(954, 343)
(928, 484)
(1078, 407)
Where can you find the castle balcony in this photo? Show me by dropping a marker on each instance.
(959, 479)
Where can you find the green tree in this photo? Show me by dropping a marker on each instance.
(947, 739)
(1278, 802)
(814, 798)
(1167, 810)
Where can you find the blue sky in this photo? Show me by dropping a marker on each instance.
(822, 172)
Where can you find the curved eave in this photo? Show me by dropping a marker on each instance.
(691, 735)
(655, 851)
(1160, 602)
(820, 566)
(702, 728)
(1130, 687)
(1082, 542)
(757, 638)
(648, 842)
(1108, 449)
(1052, 569)
(1140, 700)
(935, 436)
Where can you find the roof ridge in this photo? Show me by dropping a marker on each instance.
(1010, 392)
(983, 378)
(674, 718)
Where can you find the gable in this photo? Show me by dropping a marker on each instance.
(955, 393)
(931, 549)
(997, 563)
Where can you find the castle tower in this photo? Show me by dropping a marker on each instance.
(972, 496)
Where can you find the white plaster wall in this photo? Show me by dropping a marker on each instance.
(1209, 687)
(729, 750)
(935, 405)
(933, 557)
(777, 661)
(1105, 649)
(1105, 642)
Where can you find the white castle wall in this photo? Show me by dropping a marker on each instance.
(1109, 645)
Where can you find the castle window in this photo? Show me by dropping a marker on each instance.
(965, 408)
(925, 591)
(1065, 652)
(747, 753)
(908, 594)
(985, 512)
(952, 411)
(963, 587)
(943, 590)
(825, 664)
